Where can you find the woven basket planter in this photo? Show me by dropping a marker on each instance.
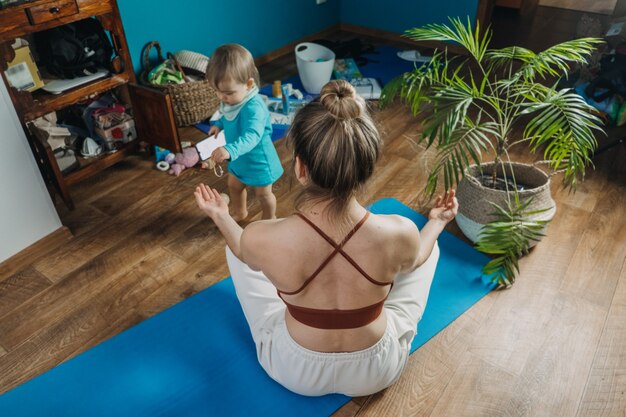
(192, 102)
(475, 210)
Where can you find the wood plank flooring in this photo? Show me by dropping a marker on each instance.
(552, 345)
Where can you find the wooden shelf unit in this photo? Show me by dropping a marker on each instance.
(26, 18)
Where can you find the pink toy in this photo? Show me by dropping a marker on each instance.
(184, 160)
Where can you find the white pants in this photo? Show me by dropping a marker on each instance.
(313, 373)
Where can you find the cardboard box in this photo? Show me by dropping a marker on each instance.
(123, 133)
(22, 73)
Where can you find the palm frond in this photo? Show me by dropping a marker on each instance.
(459, 151)
(509, 237)
(505, 56)
(556, 60)
(472, 40)
(565, 125)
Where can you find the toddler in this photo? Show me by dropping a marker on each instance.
(245, 119)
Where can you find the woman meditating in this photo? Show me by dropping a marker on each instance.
(332, 293)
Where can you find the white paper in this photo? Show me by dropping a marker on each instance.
(206, 146)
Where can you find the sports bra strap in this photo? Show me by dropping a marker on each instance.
(337, 249)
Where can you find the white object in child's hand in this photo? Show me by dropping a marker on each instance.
(206, 146)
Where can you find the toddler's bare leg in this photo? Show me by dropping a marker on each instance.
(238, 198)
(267, 200)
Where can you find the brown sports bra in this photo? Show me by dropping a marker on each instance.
(335, 318)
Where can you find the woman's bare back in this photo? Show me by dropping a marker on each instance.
(378, 247)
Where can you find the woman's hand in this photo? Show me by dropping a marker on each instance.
(210, 201)
(214, 130)
(446, 208)
(220, 154)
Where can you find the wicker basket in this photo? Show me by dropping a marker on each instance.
(192, 101)
(475, 210)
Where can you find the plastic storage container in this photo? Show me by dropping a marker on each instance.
(315, 65)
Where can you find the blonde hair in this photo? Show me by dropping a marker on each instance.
(338, 142)
(232, 62)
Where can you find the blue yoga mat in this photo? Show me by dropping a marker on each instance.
(197, 358)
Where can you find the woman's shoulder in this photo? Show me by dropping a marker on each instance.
(260, 234)
(394, 225)
(263, 240)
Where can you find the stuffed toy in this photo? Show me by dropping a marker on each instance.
(182, 161)
(161, 154)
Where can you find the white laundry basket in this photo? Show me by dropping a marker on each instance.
(315, 65)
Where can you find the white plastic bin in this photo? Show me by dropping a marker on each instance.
(315, 65)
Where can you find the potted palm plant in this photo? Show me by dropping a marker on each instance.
(476, 106)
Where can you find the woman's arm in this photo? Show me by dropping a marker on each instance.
(446, 208)
(211, 202)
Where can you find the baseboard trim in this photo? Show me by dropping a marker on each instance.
(284, 50)
(358, 30)
(27, 256)
(397, 37)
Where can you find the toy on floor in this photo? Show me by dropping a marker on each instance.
(182, 161)
(160, 154)
(187, 159)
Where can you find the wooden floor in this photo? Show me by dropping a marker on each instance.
(553, 345)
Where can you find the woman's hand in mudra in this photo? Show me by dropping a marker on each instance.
(446, 207)
(210, 201)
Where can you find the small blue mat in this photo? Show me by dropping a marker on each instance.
(197, 358)
(384, 65)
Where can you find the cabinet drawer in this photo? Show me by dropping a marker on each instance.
(50, 11)
(11, 20)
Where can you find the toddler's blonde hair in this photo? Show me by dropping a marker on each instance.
(232, 62)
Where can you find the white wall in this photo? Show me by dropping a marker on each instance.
(26, 211)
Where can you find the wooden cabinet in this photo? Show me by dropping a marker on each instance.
(151, 109)
(524, 6)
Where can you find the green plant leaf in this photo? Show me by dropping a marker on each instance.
(498, 91)
(565, 125)
(463, 34)
(508, 237)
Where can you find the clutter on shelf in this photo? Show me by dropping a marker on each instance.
(22, 73)
(112, 124)
(87, 129)
(75, 49)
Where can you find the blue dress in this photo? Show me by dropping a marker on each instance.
(253, 157)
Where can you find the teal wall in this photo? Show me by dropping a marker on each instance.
(203, 25)
(400, 15)
(263, 26)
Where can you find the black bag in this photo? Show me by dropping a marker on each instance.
(353, 48)
(74, 50)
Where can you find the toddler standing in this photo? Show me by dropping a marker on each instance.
(246, 123)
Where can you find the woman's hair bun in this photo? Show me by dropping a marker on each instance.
(341, 100)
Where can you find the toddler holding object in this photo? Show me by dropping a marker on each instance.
(247, 128)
